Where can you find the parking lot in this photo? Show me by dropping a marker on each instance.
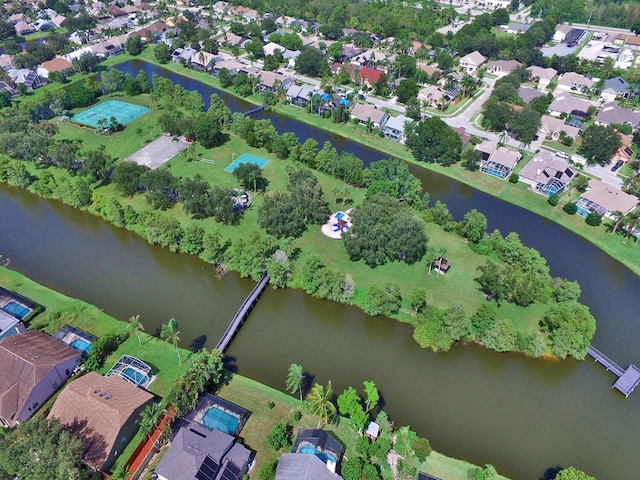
(159, 151)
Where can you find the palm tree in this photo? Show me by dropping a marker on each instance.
(294, 379)
(320, 404)
(135, 325)
(620, 219)
(139, 132)
(149, 418)
(170, 332)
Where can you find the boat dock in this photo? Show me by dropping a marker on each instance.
(242, 313)
(253, 111)
(628, 379)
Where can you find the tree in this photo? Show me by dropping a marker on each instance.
(207, 131)
(413, 108)
(294, 379)
(525, 124)
(500, 336)
(471, 159)
(407, 88)
(225, 77)
(593, 219)
(570, 327)
(169, 333)
(444, 60)
(382, 301)
(279, 436)
(161, 53)
(475, 226)
(372, 395)
(394, 178)
(599, 143)
(136, 326)
(350, 405)
(126, 177)
(572, 473)
(149, 418)
(280, 217)
(405, 442)
(134, 45)
(40, 448)
(385, 230)
(312, 62)
(418, 299)
(432, 140)
(320, 404)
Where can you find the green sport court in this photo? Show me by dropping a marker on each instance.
(122, 111)
(246, 158)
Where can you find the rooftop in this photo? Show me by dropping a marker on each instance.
(611, 198)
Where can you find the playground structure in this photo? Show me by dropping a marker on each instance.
(337, 224)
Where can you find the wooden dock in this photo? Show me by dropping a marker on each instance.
(253, 111)
(242, 313)
(628, 379)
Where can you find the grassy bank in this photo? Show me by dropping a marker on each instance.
(253, 396)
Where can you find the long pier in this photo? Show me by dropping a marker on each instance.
(253, 111)
(628, 379)
(242, 313)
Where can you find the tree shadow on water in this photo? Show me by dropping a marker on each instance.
(551, 472)
(198, 343)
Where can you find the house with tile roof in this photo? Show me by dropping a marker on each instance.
(547, 174)
(552, 127)
(616, 87)
(569, 105)
(199, 453)
(294, 466)
(58, 64)
(496, 160)
(395, 127)
(612, 113)
(574, 81)
(369, 75)
(605, 199)
(33, 366)
(502, 68)
(543, 76)
(23, 28)
(104, 412)
(365, 112)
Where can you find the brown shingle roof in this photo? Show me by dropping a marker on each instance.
(98, 419)
(25, 360)
(57, 64)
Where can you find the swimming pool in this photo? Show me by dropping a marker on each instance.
(80, 345)
(217, 419)
(138, 378)
(16, 310)
(324, 456)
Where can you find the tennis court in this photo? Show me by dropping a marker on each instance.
(246, 158)
(122, 111)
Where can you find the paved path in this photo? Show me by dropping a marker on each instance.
(158, 152)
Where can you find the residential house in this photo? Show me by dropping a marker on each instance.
(612, 113)
(632, 41)
(108, 48)
(515, 28)
(120, 23)
(153, 32)
(23, 28)
(370, 76)
(496, 160)
(6, 61)
(574, 81)
(347, 67)
(184, 55)
(26, 77)
(464, 136)
(104, 412)
(368, 113)
(605, 199)
(551, 128)
(472, 61)
(33, 367)
(569, 105)
(547, 174)
(614, 88)
(5, 86)
(395, 127)
(116, 11)
(625, 151)
(203, 61)
(270, 48)
(60, 21)
(502, 68)
(199, 453)
(272, 82)
(231, 40)
(55, 65)
(527, 94)
(13, 307)
(220, 7)
(295, 466)
(42, 25)
(429, 69)
(575, 37)
(371, 57)
(544, 76)
(432, 95)
(299, 95)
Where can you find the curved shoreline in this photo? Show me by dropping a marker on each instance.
(633, 264)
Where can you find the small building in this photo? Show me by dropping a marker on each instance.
(273, 82)
(472, 61)
(203, 61)
(199, 453)
(431, 95)
(605, 199)
(370, 76)
(496, 160)
(544, 76)
(464, 136)
(502, 68)
(547, 174)
(299, 95)
(373, 431)
(575, 37)
(293, 466)
(33, 365)
(527, 94)
(625, 152)
(515, 28)
(395, 127)
(23, 28)
(365, 113)
(614, 88)
(426, 476)
(104, 412)
(441, 266)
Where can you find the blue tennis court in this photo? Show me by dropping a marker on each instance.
(246, 158)
(122, 111)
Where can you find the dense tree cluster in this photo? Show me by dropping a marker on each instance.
(433, 141)
(319, 280)
(385, 230)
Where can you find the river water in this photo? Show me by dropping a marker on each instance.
(522, 415)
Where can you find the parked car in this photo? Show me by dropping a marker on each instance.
(618, 164)
(562, 155)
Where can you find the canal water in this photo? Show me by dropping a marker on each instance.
(522, 415)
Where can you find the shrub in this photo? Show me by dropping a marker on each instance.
(553, 199)
(280, 436)
(297, 416)
(271, 405)
(514, 178)
(570, 208)
(268, 472)
(593, 219)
